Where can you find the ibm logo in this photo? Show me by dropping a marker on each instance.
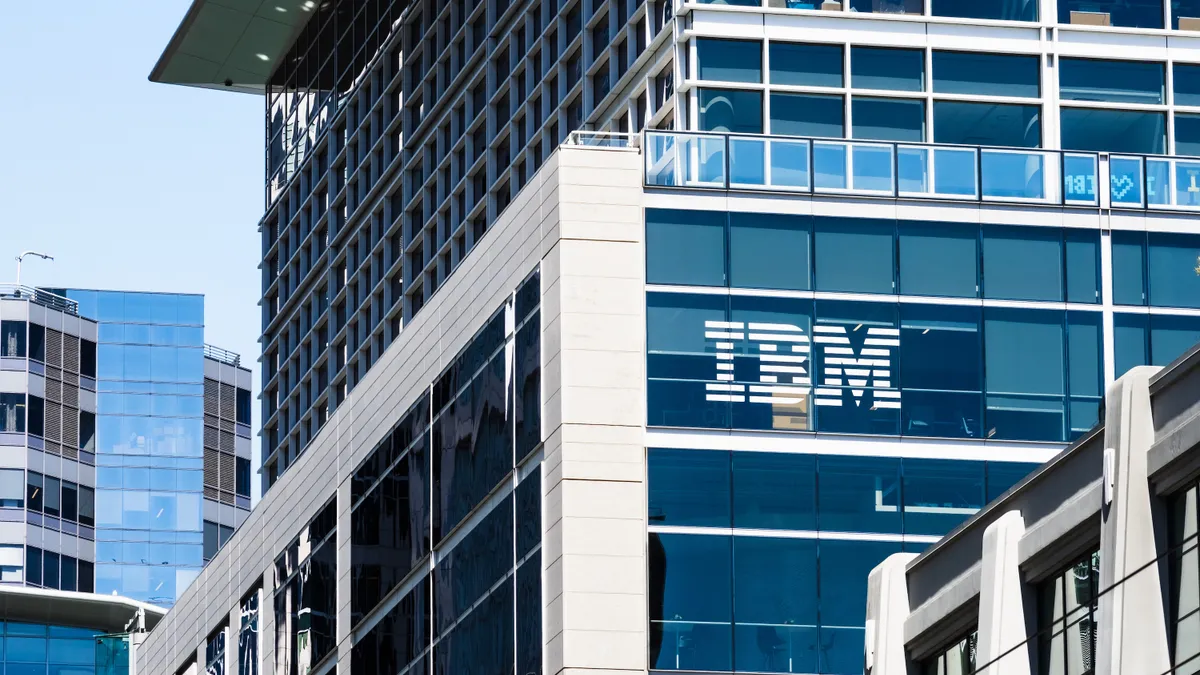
(785, 357)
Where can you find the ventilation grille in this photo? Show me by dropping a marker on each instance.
(210, 437)
(53, 421)
(70, 395)
(54, 345)
(212, 467)
(71, 353)
(226, 442)
(54, 391)
(227, 472)
(211, 397)
(210, 493)
(70, 427)
(228, 401)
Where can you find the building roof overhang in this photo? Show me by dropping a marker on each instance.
(232, 44)
(109, 613)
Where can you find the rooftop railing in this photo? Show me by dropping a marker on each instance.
(920, 171)
(41, 297)
(222, 355)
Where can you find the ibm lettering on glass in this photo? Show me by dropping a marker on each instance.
(856, 364)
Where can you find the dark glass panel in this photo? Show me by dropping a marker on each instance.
(939, 259)
(775, 605)
(986, 74)
(1141, 82)
(1132, 14)
(729, 60)
(774, 491)
(1172, 263)
(940, 494)
(1131, 342)
(685, 247)
(1022, 263)
(859, 494)
(690, 630)
(730, 111)
(855, 255)
(1003, 475)
(812, 115)
(810, 65)
(884, 68)
(689, 487)
(529, 616)
(529, 512)
(1025, 374)
(1083, 265)
(888, 119)
(1119, 131)
(844, 566)
(964, 123)
(1129, 267)
(770, 251)
(528, 383)
(941, 371)
(474, 565)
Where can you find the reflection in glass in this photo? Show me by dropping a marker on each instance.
(810, 115)
(1139, 14)
(1005, 10)
(729, 60)
(1131, 131)
(1141, 82)
(690, 630)
(888, 119)
(810, 65)
(886, 68)
(986, 74)
(995, 124)
(730, 111)
(688, 487)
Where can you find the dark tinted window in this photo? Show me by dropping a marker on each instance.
(689, 487)
(729, 60)
(685, 247)
(892, 69)
(1126, 131)
(1005, 10)
(962, 123)
(774, 491)
(690, 630)
(770, 251)
(806, 64)
(986, 74)
(1111, 81)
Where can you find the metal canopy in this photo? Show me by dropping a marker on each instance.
(232, 44)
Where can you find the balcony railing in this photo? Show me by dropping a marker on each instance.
(222, 355)
(919, 171)
(39, 296)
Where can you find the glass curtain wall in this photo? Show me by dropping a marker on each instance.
(149, 435)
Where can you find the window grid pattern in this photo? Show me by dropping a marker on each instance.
(422, 154)
(1067, 607)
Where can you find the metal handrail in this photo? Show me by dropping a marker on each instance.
(41, 297)
(222, 355)
(603, 139)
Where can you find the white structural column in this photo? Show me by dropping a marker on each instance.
(594, 379)
(1132, 635)
(1002, 649)
(887, 610)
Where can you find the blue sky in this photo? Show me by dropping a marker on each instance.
(129, 185)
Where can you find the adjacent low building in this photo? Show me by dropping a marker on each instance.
(1088, 565)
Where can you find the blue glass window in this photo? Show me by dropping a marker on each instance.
(1083, 265)
(769, 251)
(1022, 263)
(807, 115)
(1024, 372)
(1085, 359)
(688, 487)
(939, 259)
(775, 605)
(1171, 337)
(729, 60)
(1173, 262)
(731, 111)
(1003, 475)
(1130, 341)
(806, 64)
(941, 371)
(859, 494)
(1129, 267)
(888, 6)
(1142, 14)
(1112, 81)
(774, 491)
(986, 74)
(855, 255)
(1187, 134)
(1186, 82)
(690, 630)
(888, 119)
(884, 68)
(680, 361)
(685, 247)
(1125, 131)
(960, 123)
(788, 317)
(940, 494)
(1005, 10)
(849, 399)
(844, 569)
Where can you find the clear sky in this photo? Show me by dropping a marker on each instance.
(129, 185)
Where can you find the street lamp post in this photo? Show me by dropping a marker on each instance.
(43, 256)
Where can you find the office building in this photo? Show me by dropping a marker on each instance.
(862, 267)
(172, 443)
(1088, 565)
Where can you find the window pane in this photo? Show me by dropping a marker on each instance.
(12, 339)
(1187, 134)
(940, 494)
(1171, 337)
(859, 494)
(808, 65)
(1173, 260)
(1143, 14)
(843, 585)
(941, 371)
(986, 74)
(850, 399)
(1007, 10)
(769, 251)
(1131, 342)
(1003, 475)
(775, 605)
(938, 259)
(1022, 263)
(1113, 81)
(1113, 131)
(729, 60)
(1186, 83)
(807, 115)
(688, 487)
(892, 69)
(1128, 262)
(774, 491)
(888, 119)
(1085, 345)
(787, 402)
(987, 124)
(1083, 265)
(690, 630)
(731, 111)
(685, 247)
(1024, 374)
(855, 255)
